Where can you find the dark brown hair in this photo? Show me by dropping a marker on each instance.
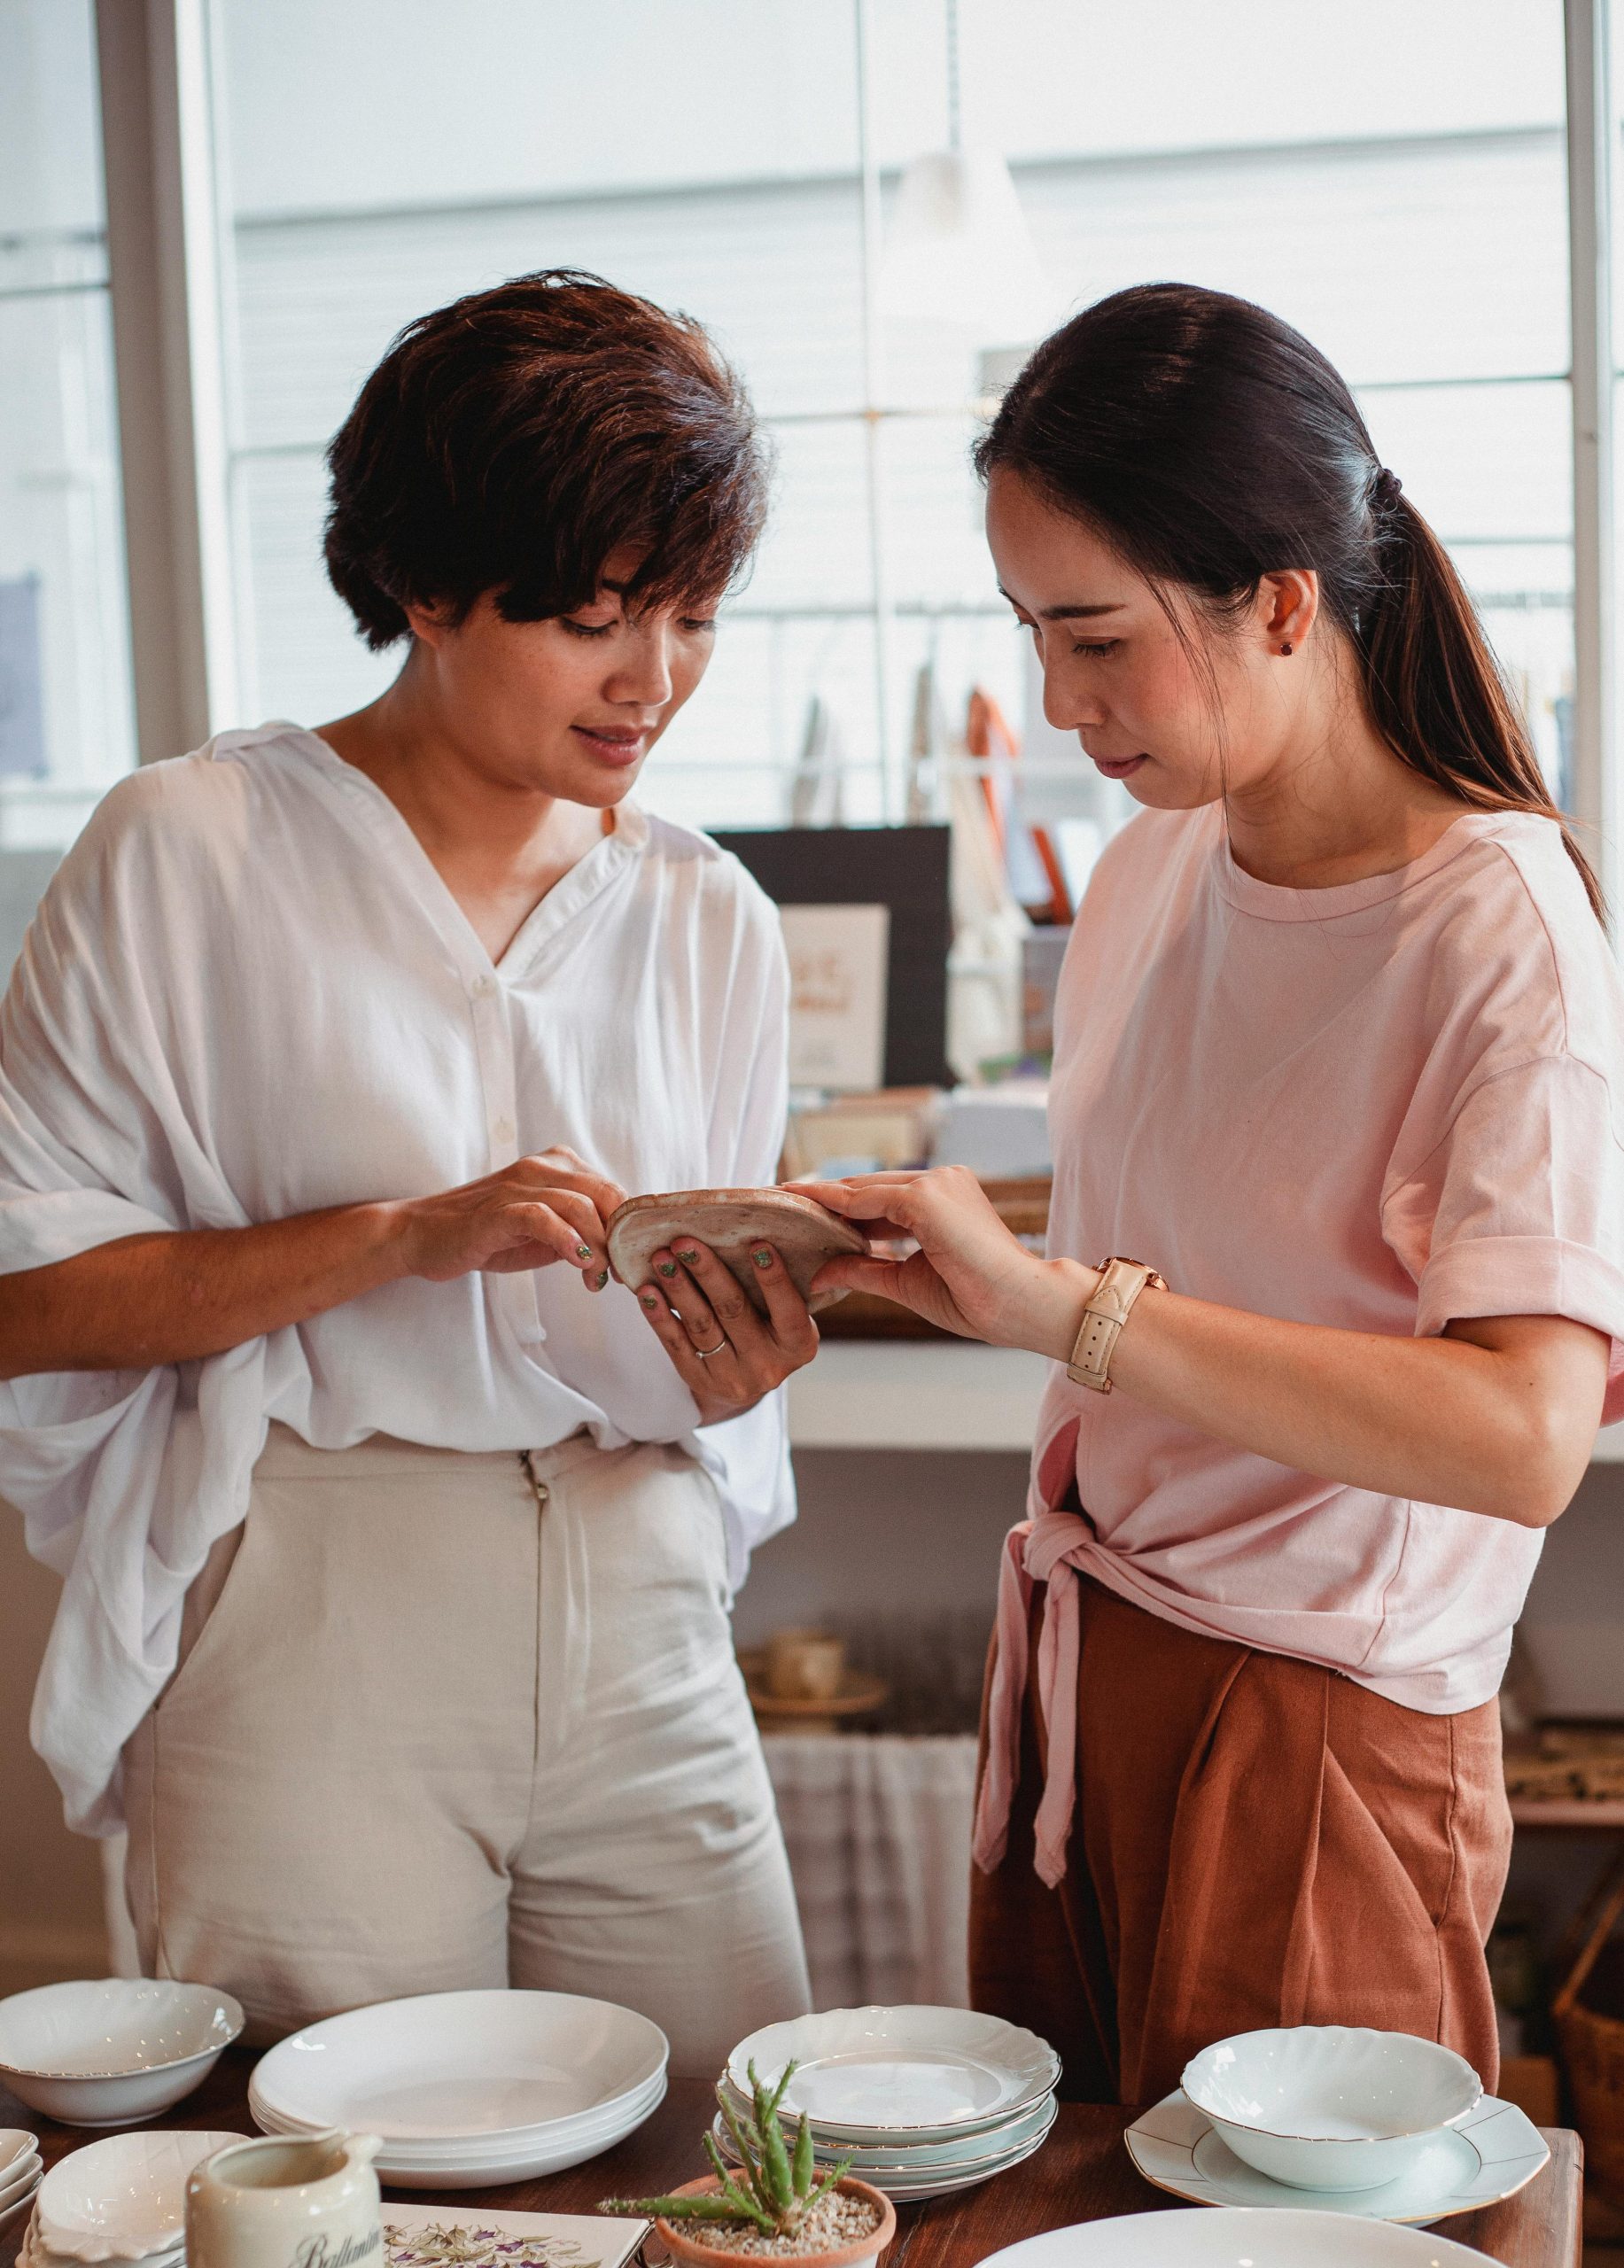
(510, 442)
(1211, 445)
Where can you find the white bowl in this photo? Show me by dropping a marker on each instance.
(106, 2053)
(122, 2199)
(1331, 2106)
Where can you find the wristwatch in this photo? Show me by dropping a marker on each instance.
(1121, 1282)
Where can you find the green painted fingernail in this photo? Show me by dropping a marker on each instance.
(688, 1258)
(762, 1259)
(602, 1278)
(649, 1301)
(667, 1266)
(583, 1251)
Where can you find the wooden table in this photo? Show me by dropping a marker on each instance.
(1082, 2174)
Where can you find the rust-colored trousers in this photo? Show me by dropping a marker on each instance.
(1256, 1841)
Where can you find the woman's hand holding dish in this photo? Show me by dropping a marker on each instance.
(550, 1207)
(970, 1274)
(726, 1354)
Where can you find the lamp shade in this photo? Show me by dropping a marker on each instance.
(958, 251)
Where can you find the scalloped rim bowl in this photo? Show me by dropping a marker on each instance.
(108, 2051)
(123, 2199)
(1331, 2106)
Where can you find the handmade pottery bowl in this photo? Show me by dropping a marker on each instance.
(107, 2052)
(1331, 2106)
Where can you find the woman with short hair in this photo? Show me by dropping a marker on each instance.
(398, 1545)
(1336, 1292)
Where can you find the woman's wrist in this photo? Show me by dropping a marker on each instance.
(1062, 1291)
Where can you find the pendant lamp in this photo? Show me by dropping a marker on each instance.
(958, 250)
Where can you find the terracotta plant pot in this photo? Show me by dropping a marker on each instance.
(686, 2246)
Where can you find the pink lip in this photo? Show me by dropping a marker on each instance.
(612, 748)
(1119, 769)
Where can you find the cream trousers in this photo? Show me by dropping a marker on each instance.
(444, 1721)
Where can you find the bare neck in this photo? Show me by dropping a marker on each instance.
(498, 845)
(1336, 805)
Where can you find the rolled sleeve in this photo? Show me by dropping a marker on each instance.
(1519, 1209)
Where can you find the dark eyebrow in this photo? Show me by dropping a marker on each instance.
(1068, 613)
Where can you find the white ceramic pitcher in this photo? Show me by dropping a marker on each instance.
(280, 2203)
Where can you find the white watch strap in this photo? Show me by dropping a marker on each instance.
(1121, 1282)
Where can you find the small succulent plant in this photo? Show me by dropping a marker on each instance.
(773, 2187)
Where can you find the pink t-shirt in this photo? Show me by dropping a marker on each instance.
(1378, 1106)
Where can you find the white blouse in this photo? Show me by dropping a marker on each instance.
(248, 994)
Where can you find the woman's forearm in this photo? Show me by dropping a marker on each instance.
(143, 1301)
(1496, 1417)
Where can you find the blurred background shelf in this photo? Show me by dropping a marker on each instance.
(921, 1394)
(942, 1394)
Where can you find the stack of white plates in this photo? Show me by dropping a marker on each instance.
(468, 2089)
(922, 2101)
(120, 2203)
(19, 2172)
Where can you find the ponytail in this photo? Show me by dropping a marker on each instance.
(1435, 688)
(1212, 445)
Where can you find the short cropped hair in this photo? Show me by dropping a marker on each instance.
(510, 442)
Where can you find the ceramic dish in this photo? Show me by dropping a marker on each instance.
(1231, 2238)
(903, 2075)
(478, 2162)
(455, 2067)
(1331, 2106)
(732, 1222)
(111, 2051)
(21, 2178)
(948, 2159)
(15, 2144)
(615, 2118)
(17, 2206)
(1492, 2156)
(122, 2199)
(963, 2149)
(914, 2186)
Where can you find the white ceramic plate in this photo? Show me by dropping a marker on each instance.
(903, 2075)
(21, 2176)
(122, 2198)
(456, 2066)
(952, 2159)
(963, 2149)
(1491, 2156)
(15, 2145)
(1233, 2238)
(914, 2189)
(583, 2137)
(482, 2164)
(17, 2206)
(465, 2148)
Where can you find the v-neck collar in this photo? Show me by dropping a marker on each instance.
(383, 820)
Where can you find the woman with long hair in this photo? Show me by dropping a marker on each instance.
(1335, 1288)
(398, 1544)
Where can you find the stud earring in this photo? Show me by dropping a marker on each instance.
(1285, 649)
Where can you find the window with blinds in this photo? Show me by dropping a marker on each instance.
(707, 155)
